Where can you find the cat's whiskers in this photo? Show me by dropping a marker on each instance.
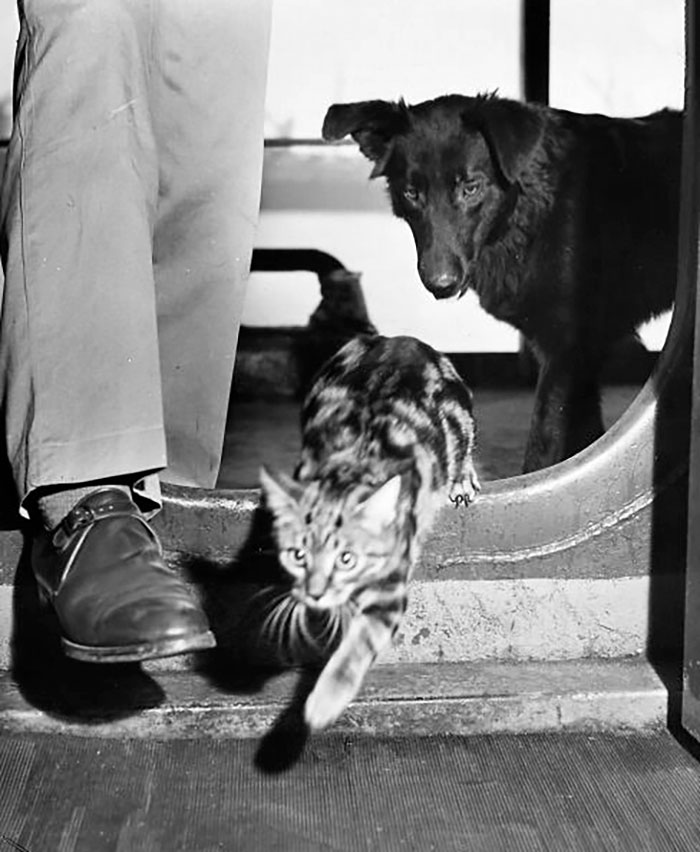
(301, 627)
(277, 614)
(304, 637)
(270, 597)
(332, 626)
(288, 626)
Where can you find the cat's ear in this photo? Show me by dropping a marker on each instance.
(379, 509)
(281, 492)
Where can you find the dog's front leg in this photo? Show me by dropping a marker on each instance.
(567, 415)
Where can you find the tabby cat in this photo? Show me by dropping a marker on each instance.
(387, 435)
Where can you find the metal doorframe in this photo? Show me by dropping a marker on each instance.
(690, 715)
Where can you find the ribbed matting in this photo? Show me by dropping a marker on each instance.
(538, 792)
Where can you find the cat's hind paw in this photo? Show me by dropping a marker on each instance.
(464, 491)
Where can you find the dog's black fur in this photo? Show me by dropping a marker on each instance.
(564, 224)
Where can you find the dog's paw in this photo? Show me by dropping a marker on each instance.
(464, 491)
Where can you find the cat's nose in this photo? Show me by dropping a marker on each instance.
(316, 588)
(316, 593)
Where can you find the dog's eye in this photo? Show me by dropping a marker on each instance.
(470, 189)
(411, 194)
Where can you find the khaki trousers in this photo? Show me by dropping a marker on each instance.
(128, 208)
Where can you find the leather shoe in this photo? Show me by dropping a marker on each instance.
(103, 572)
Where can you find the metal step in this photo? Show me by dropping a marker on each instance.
(448, 620)
(416, 699)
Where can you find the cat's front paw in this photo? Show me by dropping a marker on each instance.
(464, 491)
(324, 706)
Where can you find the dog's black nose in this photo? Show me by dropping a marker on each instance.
(444, 285)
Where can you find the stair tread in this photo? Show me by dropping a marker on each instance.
(424, 699)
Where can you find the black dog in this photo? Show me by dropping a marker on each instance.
(564, 224)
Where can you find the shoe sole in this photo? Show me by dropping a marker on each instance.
(141, 652)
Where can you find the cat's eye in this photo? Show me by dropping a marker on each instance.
(298, 555)
(347, 559)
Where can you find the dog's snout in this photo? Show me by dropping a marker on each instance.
(443, 269)
(443, 275)
(444, 285)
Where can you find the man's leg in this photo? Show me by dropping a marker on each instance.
(209, 87)
(79, 360)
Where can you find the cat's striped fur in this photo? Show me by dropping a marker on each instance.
(387, 436)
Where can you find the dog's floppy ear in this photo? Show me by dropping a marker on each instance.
(372, 124)
(513, 131)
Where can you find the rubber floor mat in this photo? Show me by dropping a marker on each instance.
(536, 792)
